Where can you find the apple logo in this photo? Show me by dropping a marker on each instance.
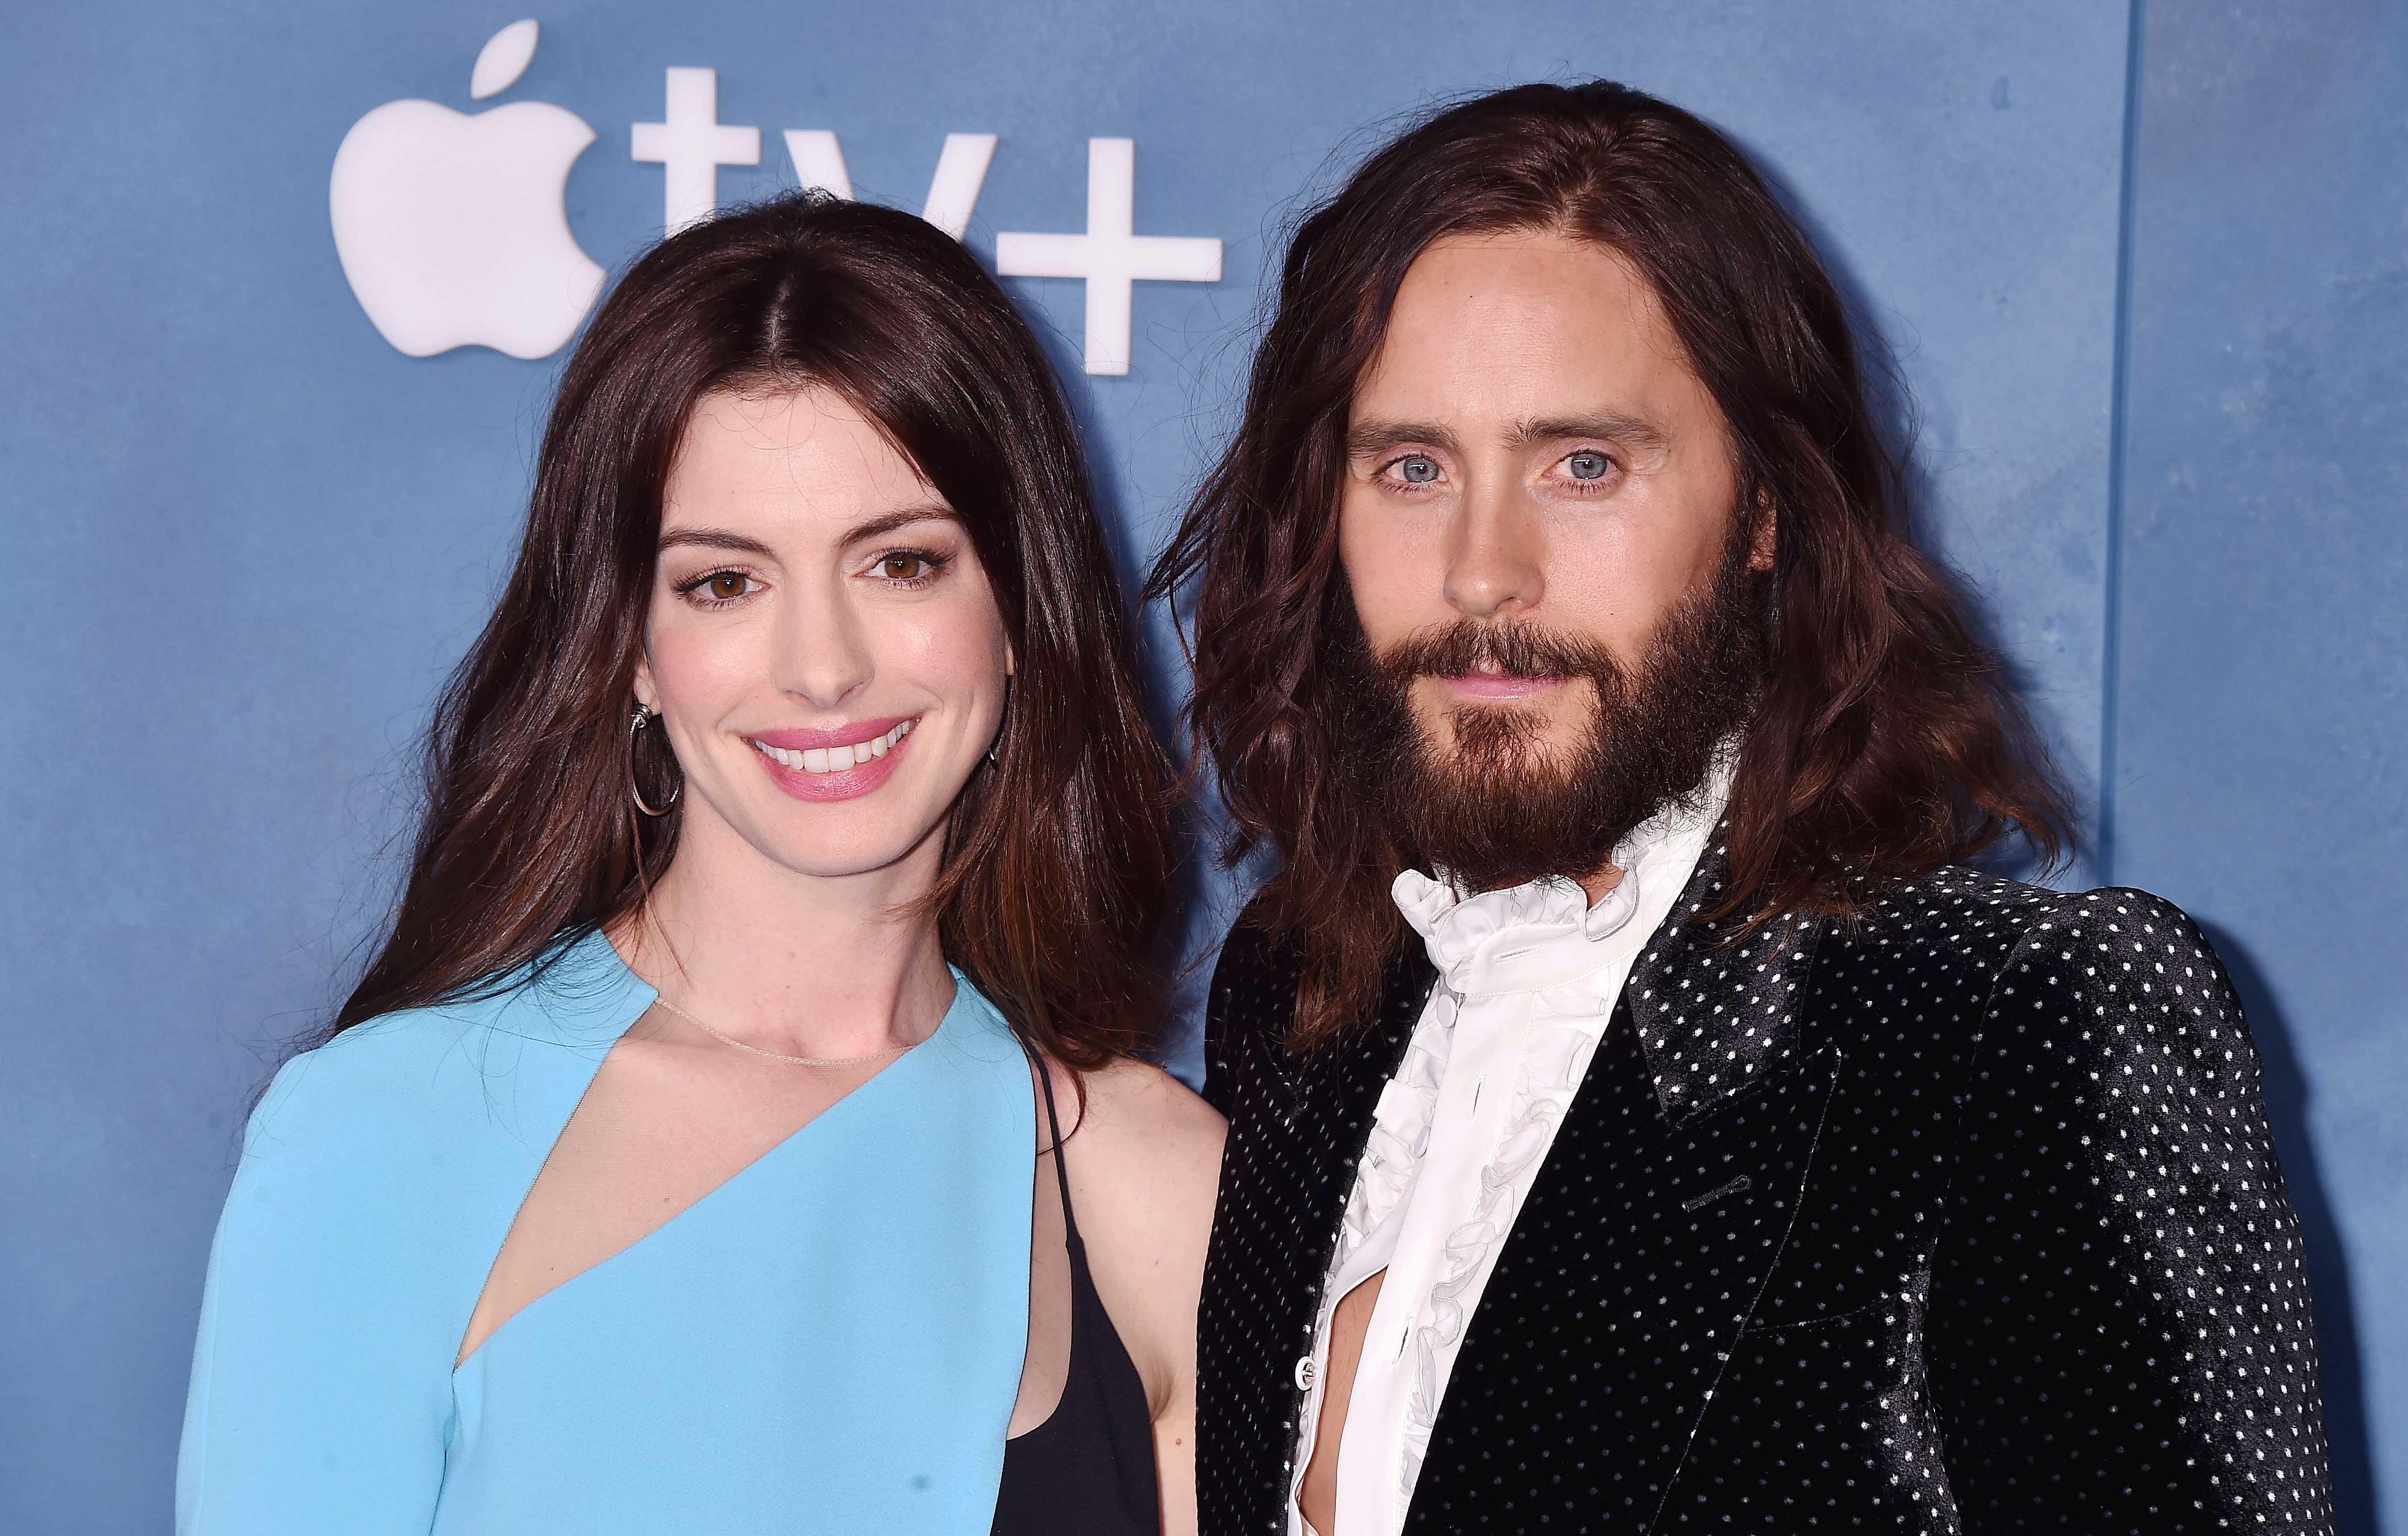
(453, 226)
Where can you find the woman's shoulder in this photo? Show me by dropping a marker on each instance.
(1144, 1161)
(1144, 1158)
(356, 1077)
(1141, 1098)
(1149, 1130)
(1142, 1149)
(487, 1058)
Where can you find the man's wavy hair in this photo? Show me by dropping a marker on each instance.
(1886, 742)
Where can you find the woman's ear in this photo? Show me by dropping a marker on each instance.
(648, 693)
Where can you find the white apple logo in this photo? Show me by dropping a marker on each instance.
(453, 226)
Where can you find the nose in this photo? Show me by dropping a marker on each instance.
(1496, 556)
(823, 655)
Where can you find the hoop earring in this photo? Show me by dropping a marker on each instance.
(635, 724)
(995, 746)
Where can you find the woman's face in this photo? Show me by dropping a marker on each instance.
(823, 646)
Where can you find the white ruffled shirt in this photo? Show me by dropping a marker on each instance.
(1528, 977)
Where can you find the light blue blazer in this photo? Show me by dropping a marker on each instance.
(829, 1341)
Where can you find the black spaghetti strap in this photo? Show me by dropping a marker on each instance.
(1090, 1467)
(1054, 1124)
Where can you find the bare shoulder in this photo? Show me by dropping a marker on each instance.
(1142, 1140)
(1143, 1112)
(1144, 1160)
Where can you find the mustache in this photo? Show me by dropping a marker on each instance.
(1513, 647)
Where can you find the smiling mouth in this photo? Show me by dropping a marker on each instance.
(834, 759)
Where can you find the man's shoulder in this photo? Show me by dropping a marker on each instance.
(1959, 941)
(1954, 918)
(1255, 978)
(1957, 910)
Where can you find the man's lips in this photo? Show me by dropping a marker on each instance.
(1499, 684)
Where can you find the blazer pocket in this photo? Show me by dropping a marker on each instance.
(1872, 1312)
(1850, 1391)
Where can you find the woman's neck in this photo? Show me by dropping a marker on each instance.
(800, 965)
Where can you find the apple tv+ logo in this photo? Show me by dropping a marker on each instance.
(453, 227)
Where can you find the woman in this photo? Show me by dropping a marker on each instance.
(676, 1164)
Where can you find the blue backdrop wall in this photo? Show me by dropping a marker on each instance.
(2139, 272)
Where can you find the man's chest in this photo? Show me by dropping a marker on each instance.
(1641, 1249)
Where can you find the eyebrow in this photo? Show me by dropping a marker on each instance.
(1378, 436)
(714, 539)
(737, 543)
(887, 522)
(1612, 425)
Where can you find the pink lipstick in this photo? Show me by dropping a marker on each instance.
(839, 763)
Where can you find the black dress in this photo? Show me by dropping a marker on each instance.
(1088, 1469)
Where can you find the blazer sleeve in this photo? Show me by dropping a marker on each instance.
(2120, 1336)
(314, 1405)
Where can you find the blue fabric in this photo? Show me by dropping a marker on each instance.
(831, 1340)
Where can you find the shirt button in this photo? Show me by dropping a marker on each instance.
(1306, 1373)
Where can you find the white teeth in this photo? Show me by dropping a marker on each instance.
(835, 759)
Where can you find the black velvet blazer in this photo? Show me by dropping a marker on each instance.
(1965, 1220)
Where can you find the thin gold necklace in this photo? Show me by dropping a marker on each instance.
(779, 1055)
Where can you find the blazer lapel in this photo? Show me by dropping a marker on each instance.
(1717, 1007)
(1643, 1246)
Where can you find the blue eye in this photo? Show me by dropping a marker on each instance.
(1417, 468)
(1588, 465)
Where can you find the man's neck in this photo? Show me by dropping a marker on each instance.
(1602, 882)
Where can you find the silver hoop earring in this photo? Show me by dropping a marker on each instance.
(635, 724)
(995, 746)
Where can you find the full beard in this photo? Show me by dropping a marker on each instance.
(1501, 807)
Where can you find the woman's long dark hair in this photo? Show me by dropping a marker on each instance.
(1885, 743)
(1057, 860)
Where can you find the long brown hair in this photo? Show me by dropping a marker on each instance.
(1058, 861)
(1885, 741)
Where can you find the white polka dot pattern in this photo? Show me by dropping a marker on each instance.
(1962, 1218)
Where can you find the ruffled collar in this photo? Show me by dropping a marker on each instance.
(1523, 939)
(1544, 934)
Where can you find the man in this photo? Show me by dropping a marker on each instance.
(1640, 1119)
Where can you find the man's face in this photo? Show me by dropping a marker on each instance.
(1537, 527)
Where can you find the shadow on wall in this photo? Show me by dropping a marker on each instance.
(2328, 1283)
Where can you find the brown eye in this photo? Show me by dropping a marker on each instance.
(902, 567)
(726, 586)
